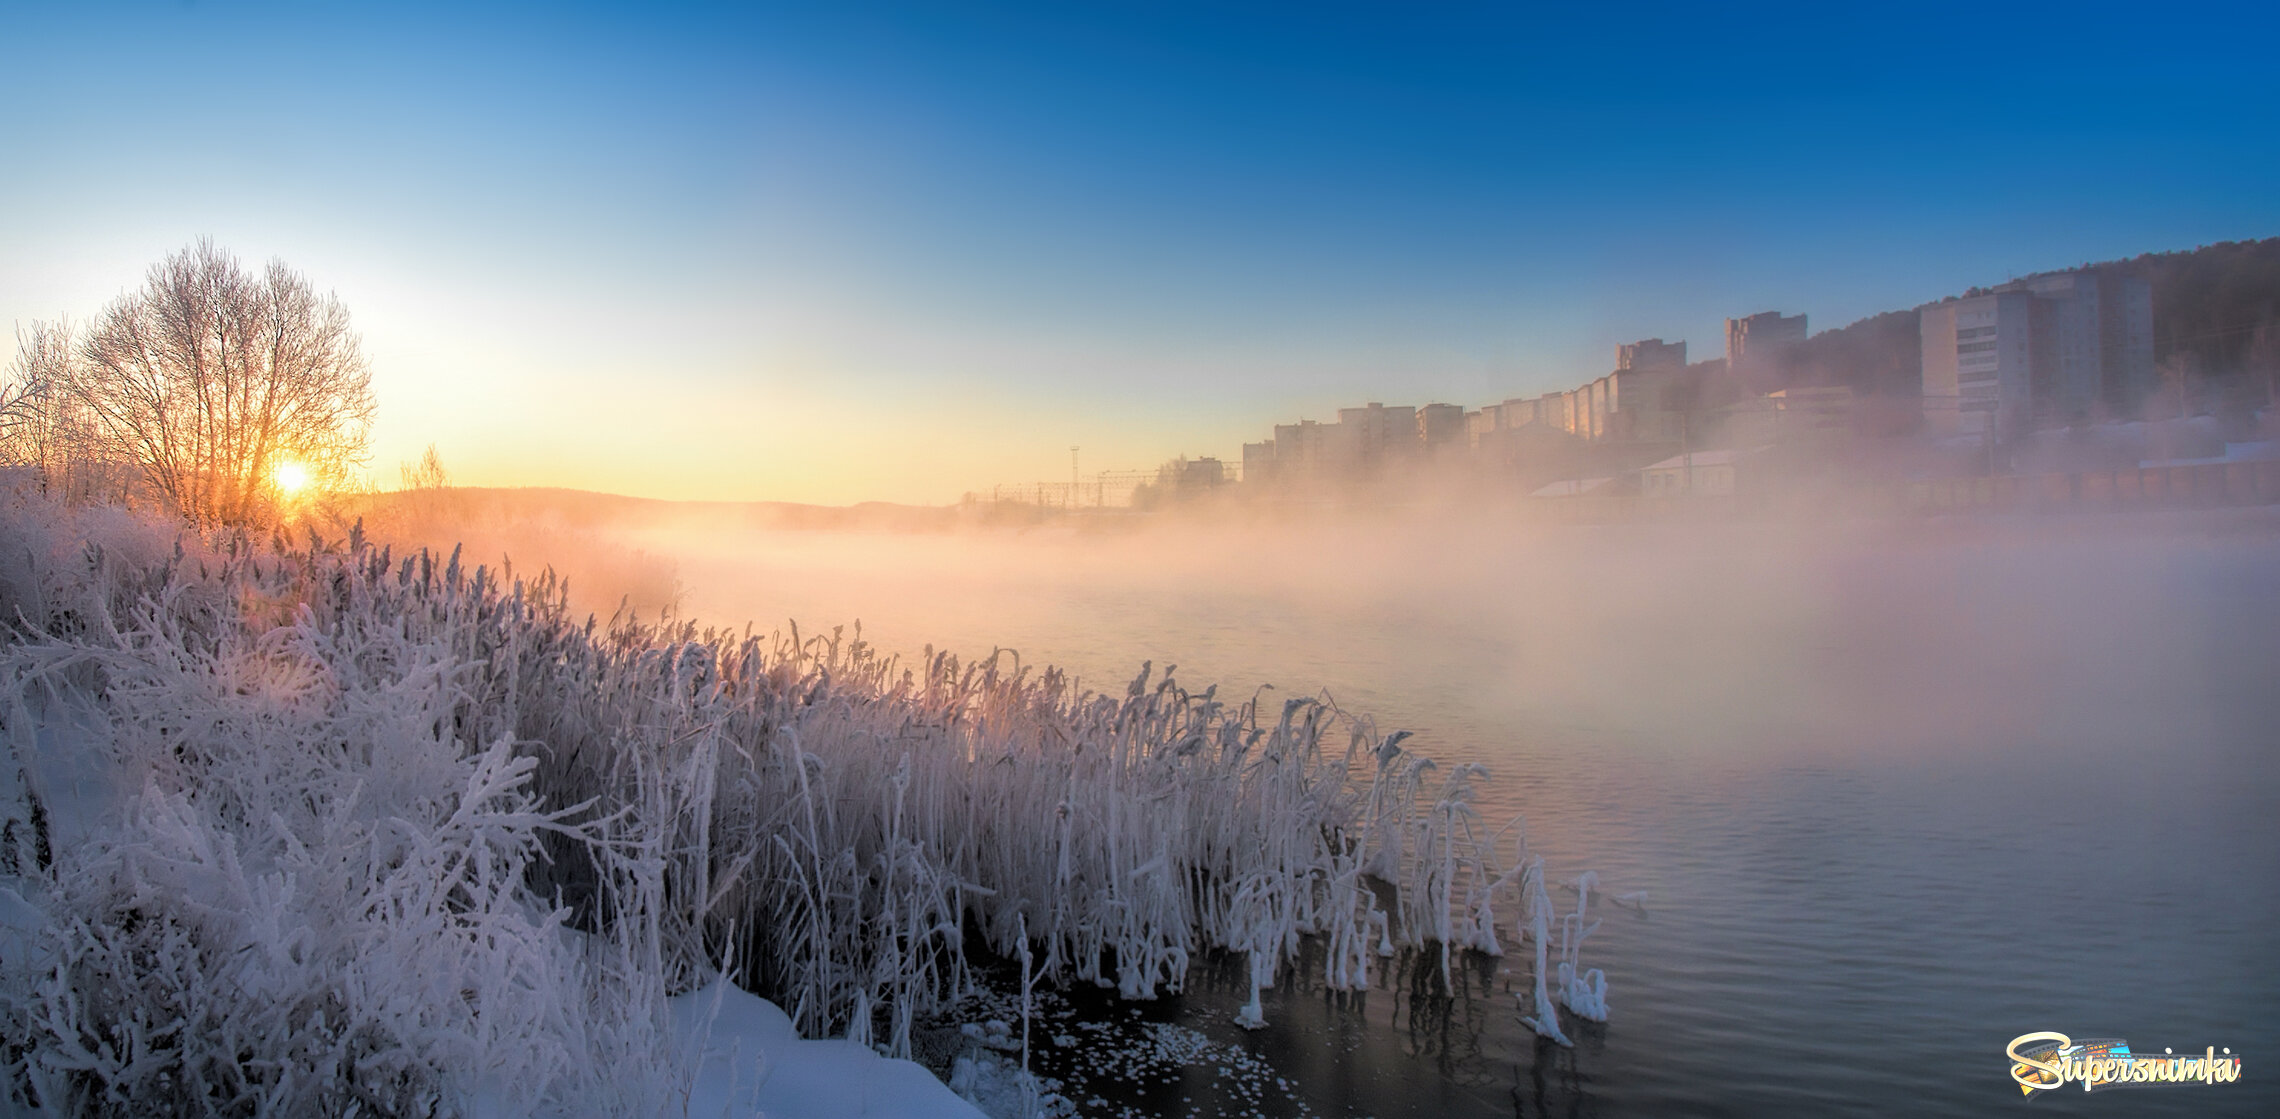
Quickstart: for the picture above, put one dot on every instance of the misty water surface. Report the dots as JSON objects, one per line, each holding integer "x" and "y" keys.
{"x": 1897, "y": 792}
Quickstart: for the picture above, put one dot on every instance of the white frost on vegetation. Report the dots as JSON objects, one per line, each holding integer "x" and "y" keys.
{"x": 1583, "y": 992}
{"x": 354, "y": 834}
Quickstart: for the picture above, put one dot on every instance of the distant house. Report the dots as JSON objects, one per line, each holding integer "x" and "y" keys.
{"x": 1574, "y": 487}
{"x": 2262, "y": 450}
{"x": 1702, "y": 473}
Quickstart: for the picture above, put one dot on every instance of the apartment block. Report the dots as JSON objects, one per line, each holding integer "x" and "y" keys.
{"x": 1379, "y": 433}
{"x": 1259, "y": 461}
{"x": 1441, "y": 427}
{"x": 1303, "y": 449}
{"x": 2094, "y": 343}
{"x": 1753, "y": 343}
{"x": 1651, "y": 353}
{"x": 1642, "y": 405}
{"x": 2056, "y": 348}
{"x": 1978, "y": 361}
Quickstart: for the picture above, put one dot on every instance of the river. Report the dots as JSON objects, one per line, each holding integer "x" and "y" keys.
{"x": 1896, "y": 792}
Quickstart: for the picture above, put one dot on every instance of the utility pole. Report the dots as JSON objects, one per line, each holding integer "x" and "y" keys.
{"x": 1686, "y": 447}
{"x": 1072, "y": 476}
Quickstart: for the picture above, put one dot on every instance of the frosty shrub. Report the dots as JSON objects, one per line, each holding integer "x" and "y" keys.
{"x": 305, "y": 892}
{"x": 389, "y": 836}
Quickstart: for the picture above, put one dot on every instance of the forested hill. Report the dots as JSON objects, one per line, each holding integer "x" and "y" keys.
{"x": 2219, "y": 305}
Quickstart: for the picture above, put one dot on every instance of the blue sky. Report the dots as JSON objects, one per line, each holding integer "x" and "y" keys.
{"x": 833, "y": 252}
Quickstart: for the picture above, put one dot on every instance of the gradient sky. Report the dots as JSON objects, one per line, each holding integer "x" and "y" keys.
{"x": 836, "y": 252}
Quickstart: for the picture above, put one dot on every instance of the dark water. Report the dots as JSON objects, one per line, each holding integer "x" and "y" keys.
{"x": 1897, "y": 794}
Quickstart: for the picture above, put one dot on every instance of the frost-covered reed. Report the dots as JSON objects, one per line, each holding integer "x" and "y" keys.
{"x": 470, "y": 765}
{"x": 270, "y": 874}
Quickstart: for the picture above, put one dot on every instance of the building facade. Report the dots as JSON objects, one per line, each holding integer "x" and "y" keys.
{"x": 1259, "y": 462}
{"x": 1378, "y": 434}
{"x": 1643, "y": 405}
{"x": 1302, "y": 449}
{"x": 1978, "y": 362}
{"x": 1441, "y": 428}
{"x": 2051, "y": 349}
{"x": 2093, "y": 344}
{"x": 1651, "y": 353}
{"x": 1754, "y": 343}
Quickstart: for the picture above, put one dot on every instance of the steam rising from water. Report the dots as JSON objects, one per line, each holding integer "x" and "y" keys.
{"x": 1913, "y": 639}
{"x": 1854, "y": 765}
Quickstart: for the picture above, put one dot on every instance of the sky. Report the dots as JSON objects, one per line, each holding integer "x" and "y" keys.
{"x": 840, "y": 252}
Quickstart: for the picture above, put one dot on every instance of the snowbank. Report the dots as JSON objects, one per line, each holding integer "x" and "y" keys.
{"x": 751, "y": 1062}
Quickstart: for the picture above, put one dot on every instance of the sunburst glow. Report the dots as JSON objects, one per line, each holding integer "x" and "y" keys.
{"x": 291, "y": 477}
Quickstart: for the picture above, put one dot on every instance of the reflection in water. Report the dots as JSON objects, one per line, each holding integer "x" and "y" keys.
{"x": 1405, "y": 1046}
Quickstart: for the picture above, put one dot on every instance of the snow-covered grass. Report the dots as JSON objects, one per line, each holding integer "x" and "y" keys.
{"x": 351, "y": 833}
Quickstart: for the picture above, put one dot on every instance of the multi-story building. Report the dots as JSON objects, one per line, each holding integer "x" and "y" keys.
{"x": 1651, "y": 353}
{"x": 2125, "y": 339}
{"x": 1559, "y": 410}
{"x": 1197, "y": 473}
{"x": 1303, "y": 449}
{"x": 1753, "y": 343}
{"x": 1642, "y": 405}
{"x": 1483, "y": 423}
{"x": 2047, "y": 349}
{"x": 1259, "y": 462}
{"x": 1486, "y": 425}
{"x": 1639, "y": 405}
{"x": 1978, "y": 361}
{"x": 1379, "y": 433}
{"x": 1441, "y": 427}
{"x": 2093, "y": 343}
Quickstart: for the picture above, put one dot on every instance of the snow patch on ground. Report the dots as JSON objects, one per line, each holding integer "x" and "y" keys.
{"x": 750, "y": 1062}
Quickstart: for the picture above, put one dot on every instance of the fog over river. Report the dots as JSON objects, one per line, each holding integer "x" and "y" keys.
{"x": 1896, "y": 791}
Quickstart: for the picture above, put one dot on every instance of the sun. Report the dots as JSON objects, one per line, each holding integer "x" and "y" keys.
{"x": 291, "y": 477}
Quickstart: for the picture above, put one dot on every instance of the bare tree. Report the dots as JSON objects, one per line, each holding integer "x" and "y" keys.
{"x": 21, "y": 391}
{"x": 428, "y": 475}
{"x": 424, "y": 485}
{"x": 227, "y": 391}
{"x": 2178, "y": 373}
{"x": 2263, "y": 360}
{"x": 39, "y": 427}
